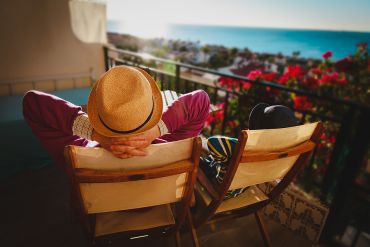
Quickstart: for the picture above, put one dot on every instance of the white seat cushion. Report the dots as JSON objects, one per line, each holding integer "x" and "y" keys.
{"x": 252, "y": 195}
{"x": 131, "y": 220}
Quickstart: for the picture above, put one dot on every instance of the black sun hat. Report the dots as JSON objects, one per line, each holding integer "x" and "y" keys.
{"x": 264, "y": 116}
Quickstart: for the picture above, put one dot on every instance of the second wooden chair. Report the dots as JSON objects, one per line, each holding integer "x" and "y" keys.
{"x": 260, "y": 156}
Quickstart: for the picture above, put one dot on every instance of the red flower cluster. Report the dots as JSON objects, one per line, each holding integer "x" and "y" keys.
{"x": 216, "y": 117}
{"x": 333, "y": 79}
{"x": 311, "y": 82}
{"x": 302, "y": 103}
{"x": 345, "y": 65}
{"x": 254, "y": 75}
{"x": 258, "y": 75}
{"x": 246, "y": 85}
{"x": 232, "y": 84}
{"x": 292, "y": 73}
{"x": 316, "y": 71}
{"x": 227, "y": 82}
{"x": 269, "y": 76}
{"x": 329, "y": 138}
{"x": 327, "y": 55}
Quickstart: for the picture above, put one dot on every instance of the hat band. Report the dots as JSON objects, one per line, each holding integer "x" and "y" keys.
{"x": 129, "y": 131}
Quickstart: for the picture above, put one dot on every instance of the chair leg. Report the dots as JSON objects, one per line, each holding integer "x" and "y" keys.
{"x": 262, "y": 228}
{"x": 193, "y": 232}
{"x": 178, "y": 240}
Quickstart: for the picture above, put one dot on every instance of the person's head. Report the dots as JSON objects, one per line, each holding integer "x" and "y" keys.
{"x": 124, "y": 101}
{"x": 264, "y": 116}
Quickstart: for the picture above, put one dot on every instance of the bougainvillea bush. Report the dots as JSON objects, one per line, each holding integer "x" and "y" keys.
{"x": 347, "y": 78}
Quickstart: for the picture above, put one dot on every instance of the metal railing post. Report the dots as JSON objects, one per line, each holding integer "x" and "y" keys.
{"x": 106, "y": 58}
{"x": 357, "y": 149}
{"x": 338, "y": 152}
{"x": 226, "y": 106}
{"x": 177, "y": 78}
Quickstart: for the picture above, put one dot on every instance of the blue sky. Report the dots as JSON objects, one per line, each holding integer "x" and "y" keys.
{"x": 309, "y": 14}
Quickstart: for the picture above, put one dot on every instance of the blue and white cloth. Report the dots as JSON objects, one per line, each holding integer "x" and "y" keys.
{"x": 215, "y": 165}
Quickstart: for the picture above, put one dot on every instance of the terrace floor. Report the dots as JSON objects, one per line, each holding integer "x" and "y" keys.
{"x": 35, "y": 212}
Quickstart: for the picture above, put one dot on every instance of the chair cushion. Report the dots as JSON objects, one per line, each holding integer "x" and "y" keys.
{"x": 131, "y": 220}
{"x": 252, "y": 195}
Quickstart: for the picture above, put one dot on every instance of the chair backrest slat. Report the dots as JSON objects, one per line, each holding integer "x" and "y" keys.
{"x": 269, "y": 154}
{"x": 107, "y": 183}
{"x": 253, "y": 156}
{"x": 157, "y": 155}
{"x": 277, "y": 139}
{"x": 107, "y": 197}
{"x": 85, "y": 175}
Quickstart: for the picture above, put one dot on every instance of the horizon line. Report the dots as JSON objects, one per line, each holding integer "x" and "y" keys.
{"x": 265, "y": 27}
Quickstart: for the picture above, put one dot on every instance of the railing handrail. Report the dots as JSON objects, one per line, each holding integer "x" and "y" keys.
{"x": 346, "y": 102}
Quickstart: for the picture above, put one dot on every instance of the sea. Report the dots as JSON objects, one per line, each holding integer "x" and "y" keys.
{"x": 309, "y": 43}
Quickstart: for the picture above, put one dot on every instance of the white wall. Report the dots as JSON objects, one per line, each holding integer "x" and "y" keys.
{"x": 37, "y": 43}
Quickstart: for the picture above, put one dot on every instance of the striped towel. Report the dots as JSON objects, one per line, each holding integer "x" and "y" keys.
{"x": 215, "y": 165}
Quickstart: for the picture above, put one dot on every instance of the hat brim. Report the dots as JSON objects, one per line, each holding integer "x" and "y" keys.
{"x": 98, "y": 126}
{"x": 256, "y": 117}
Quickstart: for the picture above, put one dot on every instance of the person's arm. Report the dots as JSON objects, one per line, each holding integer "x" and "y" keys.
{"x": 121, "y": 147}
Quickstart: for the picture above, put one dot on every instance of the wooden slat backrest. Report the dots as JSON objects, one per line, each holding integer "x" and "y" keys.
{"x": 106, "y": 183}
{"x": 269, "y": 154}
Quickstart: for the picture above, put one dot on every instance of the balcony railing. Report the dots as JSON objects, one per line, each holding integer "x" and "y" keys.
{"x": 348, "y": 120}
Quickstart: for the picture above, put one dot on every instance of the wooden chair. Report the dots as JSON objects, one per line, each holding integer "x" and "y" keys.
{"x": 260, "y": 156}
{"x": 107, "y": 192}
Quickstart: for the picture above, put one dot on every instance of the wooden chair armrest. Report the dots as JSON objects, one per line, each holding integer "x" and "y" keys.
{"x": 208, "y": 185}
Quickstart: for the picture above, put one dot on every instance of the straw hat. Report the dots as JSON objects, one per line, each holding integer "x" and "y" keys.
{"x": 124, "y": 101}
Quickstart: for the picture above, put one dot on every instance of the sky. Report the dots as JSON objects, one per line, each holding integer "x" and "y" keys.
{"x": 348, "y": 15}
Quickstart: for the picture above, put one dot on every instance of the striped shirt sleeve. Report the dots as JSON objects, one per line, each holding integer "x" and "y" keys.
{"x": 82, "y": 127}
{"x": 162, "y": 127}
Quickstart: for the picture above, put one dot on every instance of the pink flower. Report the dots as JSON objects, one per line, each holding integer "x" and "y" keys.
{"x": 246, "y": 85}
{"x": 327, "y": 55}
{"x": 254, "y": 75}
{"x": 325, "y": 79}
{"x": 334, "y": 76}
{"x": 283, "y": 79}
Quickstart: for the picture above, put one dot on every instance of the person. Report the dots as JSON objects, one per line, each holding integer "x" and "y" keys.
{"x": 262, "y": 116}
{"x": 124, "y": 115}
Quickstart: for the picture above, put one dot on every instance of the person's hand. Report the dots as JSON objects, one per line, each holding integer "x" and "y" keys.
{"x": 138, "y": 142}
{"x": 120, "y": 146}
{"x": 126, "y": 147}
